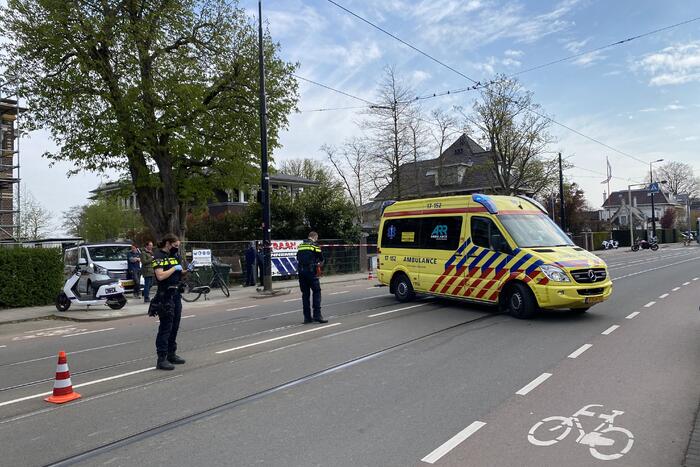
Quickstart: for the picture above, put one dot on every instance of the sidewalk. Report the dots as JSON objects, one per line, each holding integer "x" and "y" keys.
{"x": 136, "y": 307}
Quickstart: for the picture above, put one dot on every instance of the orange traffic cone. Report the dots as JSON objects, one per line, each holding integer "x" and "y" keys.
{"x": 371, "y": 275}
{"x": 62, "y": 387}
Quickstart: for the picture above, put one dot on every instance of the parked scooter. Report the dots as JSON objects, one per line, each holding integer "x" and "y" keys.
{"x": 645, "y": 245}
{"x": 610, "y": 244}
{"x": 104, "y": 291}
{"x": 687, "y": 237}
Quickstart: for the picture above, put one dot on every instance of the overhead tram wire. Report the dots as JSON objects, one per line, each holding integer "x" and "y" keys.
{"x": 477, "y": 82}
{"x": 333, "y": 89}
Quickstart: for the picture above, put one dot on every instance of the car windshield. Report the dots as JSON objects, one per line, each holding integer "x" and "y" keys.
{"x": 534, "y": 230}
{"x": 109, "y": 252}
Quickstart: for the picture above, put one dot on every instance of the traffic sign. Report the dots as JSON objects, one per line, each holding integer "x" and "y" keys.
{"x": 653, "y": 187}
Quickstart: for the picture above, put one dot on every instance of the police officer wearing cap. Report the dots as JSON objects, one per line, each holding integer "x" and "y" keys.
{"x": 310, "y": 258}
{"x": 167, "y": 266}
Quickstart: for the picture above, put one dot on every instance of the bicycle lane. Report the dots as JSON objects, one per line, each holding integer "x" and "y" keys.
{"x": 647, "y": 368}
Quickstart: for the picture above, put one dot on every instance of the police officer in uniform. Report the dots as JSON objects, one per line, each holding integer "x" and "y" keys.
{"x": 167, "y": 266}
{"x": 310, "y": 258}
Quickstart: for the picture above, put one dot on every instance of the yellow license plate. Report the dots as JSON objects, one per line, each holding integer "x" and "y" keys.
{"x": 597, "y": 299}
{"x": 127, "y": 283}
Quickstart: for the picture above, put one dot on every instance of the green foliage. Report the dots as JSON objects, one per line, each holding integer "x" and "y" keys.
{"x": 29, "y": 276}
{"x": 103, "y": 219}
{"x": 164, "y": 90}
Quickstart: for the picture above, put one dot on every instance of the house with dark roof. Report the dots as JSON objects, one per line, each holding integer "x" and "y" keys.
{"x": 616, "y": 207}
{"x": 461, "y": 169}
{"x": 223, "y": 200}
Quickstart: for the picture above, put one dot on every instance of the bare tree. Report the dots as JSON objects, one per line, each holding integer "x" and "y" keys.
{"x": 679, "y": 177}
{"x": 418, "y": 140}
{"x": 508, "y": 121}
{"x": 34, "y": 219}
{"x": 388, "y": 125}
{"x": 353, "y": 164}
{"x": 444, "y": 128}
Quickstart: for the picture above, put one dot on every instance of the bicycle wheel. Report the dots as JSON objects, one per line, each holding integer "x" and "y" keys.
{"x": 192, "y": 290}
{"x": 560, "y": 430}
{"x": 621, "y": 434}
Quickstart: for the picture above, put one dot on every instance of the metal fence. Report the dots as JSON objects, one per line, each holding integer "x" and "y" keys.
{"x": 340, "y": 257}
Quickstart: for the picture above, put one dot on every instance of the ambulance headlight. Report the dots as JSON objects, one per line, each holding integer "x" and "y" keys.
{"x": 554, "y": 273}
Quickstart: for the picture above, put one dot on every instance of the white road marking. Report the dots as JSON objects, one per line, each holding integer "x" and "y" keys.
{"x": 394, "y": 311}
{"x": 696, "y": 278}
{"x": 292, "y": 300}
{"x": 338, "y": 293}
{"x": 675, "y": 289}
{"x": 2, "y": 346}
{"x": 663, "y": 296}
{"x": 371, "y": 288}
{"x": 89, "y": 332}
{"x": 580, "y": 350}
{"x": 277, "y": 338}
{"x": 452, "y": 443}
{"x": 686, "y": 283}
{"x": 632, "y": 315}
{"x": 242, "y": 308}
{"x": 655, "y": 269}
{"x": 82, "y": 385}
{"x": 610, "y": 329}
{"x": 49, "y": 329}
{"x": 351, "y": 286}
{"x": 188, "y": 316}
{"x": 649, "y": 305}
{"x": 53, "y": 357}
{"x": 534, "y": 383}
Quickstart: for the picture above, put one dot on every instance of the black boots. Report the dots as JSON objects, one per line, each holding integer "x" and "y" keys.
{"x": 320, "y": 319}
{"x": 164, "y": 364}
{"x": 175, "y": 358}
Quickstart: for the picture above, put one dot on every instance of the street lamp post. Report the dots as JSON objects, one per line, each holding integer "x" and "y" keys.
{"x": 653, "y": 211}
{"x": 629, "y": 211}
{"x": 265, "y": 176}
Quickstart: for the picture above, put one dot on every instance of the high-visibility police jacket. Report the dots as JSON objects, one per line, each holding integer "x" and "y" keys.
{"x": 309, "y": 255}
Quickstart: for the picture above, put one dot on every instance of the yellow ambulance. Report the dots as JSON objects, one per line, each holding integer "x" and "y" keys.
{"x": 500, "y": 250}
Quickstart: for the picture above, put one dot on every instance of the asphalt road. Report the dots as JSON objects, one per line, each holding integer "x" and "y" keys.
{"x": 382, "y": 384}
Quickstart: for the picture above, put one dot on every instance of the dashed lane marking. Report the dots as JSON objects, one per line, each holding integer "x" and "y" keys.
{"x": 675, "y": 289}
{"x": 2, "y": 346}
{"x": 292, "y": 300}
{"x": 82, "y": 385}
{"x": 452, "y": 443}
{"x": 242, "y": 308}
{"x": 277, "y": 338}
{"x": 533, "y": 384}
{"x": 696, "y": 278}
{"x": 663, "y": 296}
{"x": 88, "y": 332}
{"x": 339, "y": 293}
{"x": 49, "y": 329}
{"x": 580, "y": 350}
{"x": 649, "y": 305}
{"x": 188, "y": 316}
{"x": 686, "y": 283}
{"x": 394, "y": 311}
{"x": 610, "y": 330}
{"x": 632, "y": 315}
{"x": 655, "y": 269}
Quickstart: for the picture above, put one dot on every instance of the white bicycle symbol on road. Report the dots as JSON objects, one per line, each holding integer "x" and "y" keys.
{"x": 604, "y": 441}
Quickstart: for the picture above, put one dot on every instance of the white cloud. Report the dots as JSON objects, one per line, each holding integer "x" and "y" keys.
{"x": 418, "y": 76}
{"x": 690, "y": 138}
{"x": 576, "y": 46}
{"x": 513, "y": 53}
{"x": 677, "y": 64}
{"x": 649, "y": 109}
{"x": 674, "y": 106}
{"x": 589, "y": 59}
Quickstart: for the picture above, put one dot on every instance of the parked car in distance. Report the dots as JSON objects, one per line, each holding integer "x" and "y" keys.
{"x": 98, "y": 259}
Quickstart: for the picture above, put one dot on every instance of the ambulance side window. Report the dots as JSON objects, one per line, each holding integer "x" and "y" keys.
{"x": 401, "y": 233}
{"x": 441, "y": 233}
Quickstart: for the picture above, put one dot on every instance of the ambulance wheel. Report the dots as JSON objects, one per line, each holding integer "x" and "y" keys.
{"x": 520, "y": 302}
{"x": 62, "y": 302}
{"x": 403, "y": 289}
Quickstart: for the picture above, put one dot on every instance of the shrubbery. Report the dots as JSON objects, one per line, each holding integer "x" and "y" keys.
{"x": 30, "y": 276}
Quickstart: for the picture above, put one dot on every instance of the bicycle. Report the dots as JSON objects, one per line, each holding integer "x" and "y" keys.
{"x": 541, "y": 433}
{"x": 193, "y": 288}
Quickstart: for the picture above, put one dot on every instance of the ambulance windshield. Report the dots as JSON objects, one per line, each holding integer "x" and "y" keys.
{"x": 534, "y": 230}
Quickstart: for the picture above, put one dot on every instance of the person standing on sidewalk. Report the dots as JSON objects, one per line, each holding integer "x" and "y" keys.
{"x": 250, "y": 259}
{"x": 133, "y": 259}
{"x": 167, "y": 267}
{"x": 310, "y": 260}
{"x": 147, "y": 270}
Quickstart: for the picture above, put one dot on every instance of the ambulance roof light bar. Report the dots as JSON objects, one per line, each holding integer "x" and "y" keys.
{"x": 486, "y": 202}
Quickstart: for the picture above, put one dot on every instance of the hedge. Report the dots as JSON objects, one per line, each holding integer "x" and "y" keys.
{"x": 30, "y": 276}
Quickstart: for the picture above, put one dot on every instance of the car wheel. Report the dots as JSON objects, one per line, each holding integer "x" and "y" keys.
{"x": 403, "y": 289}
{"x": 520, "y": 302}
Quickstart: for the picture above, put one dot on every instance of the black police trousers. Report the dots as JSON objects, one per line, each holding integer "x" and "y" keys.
{"x": 308, "y": 282}
{"x": 169, "y": 323}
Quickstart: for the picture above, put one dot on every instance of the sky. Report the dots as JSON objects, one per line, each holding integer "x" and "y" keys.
{"x": 641, "y": 98}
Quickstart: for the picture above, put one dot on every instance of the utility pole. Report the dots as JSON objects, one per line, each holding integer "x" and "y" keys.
{"x": 652, "y": 193}
{"x": 265, "y": 176}
{"x": 562, "y": 212}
